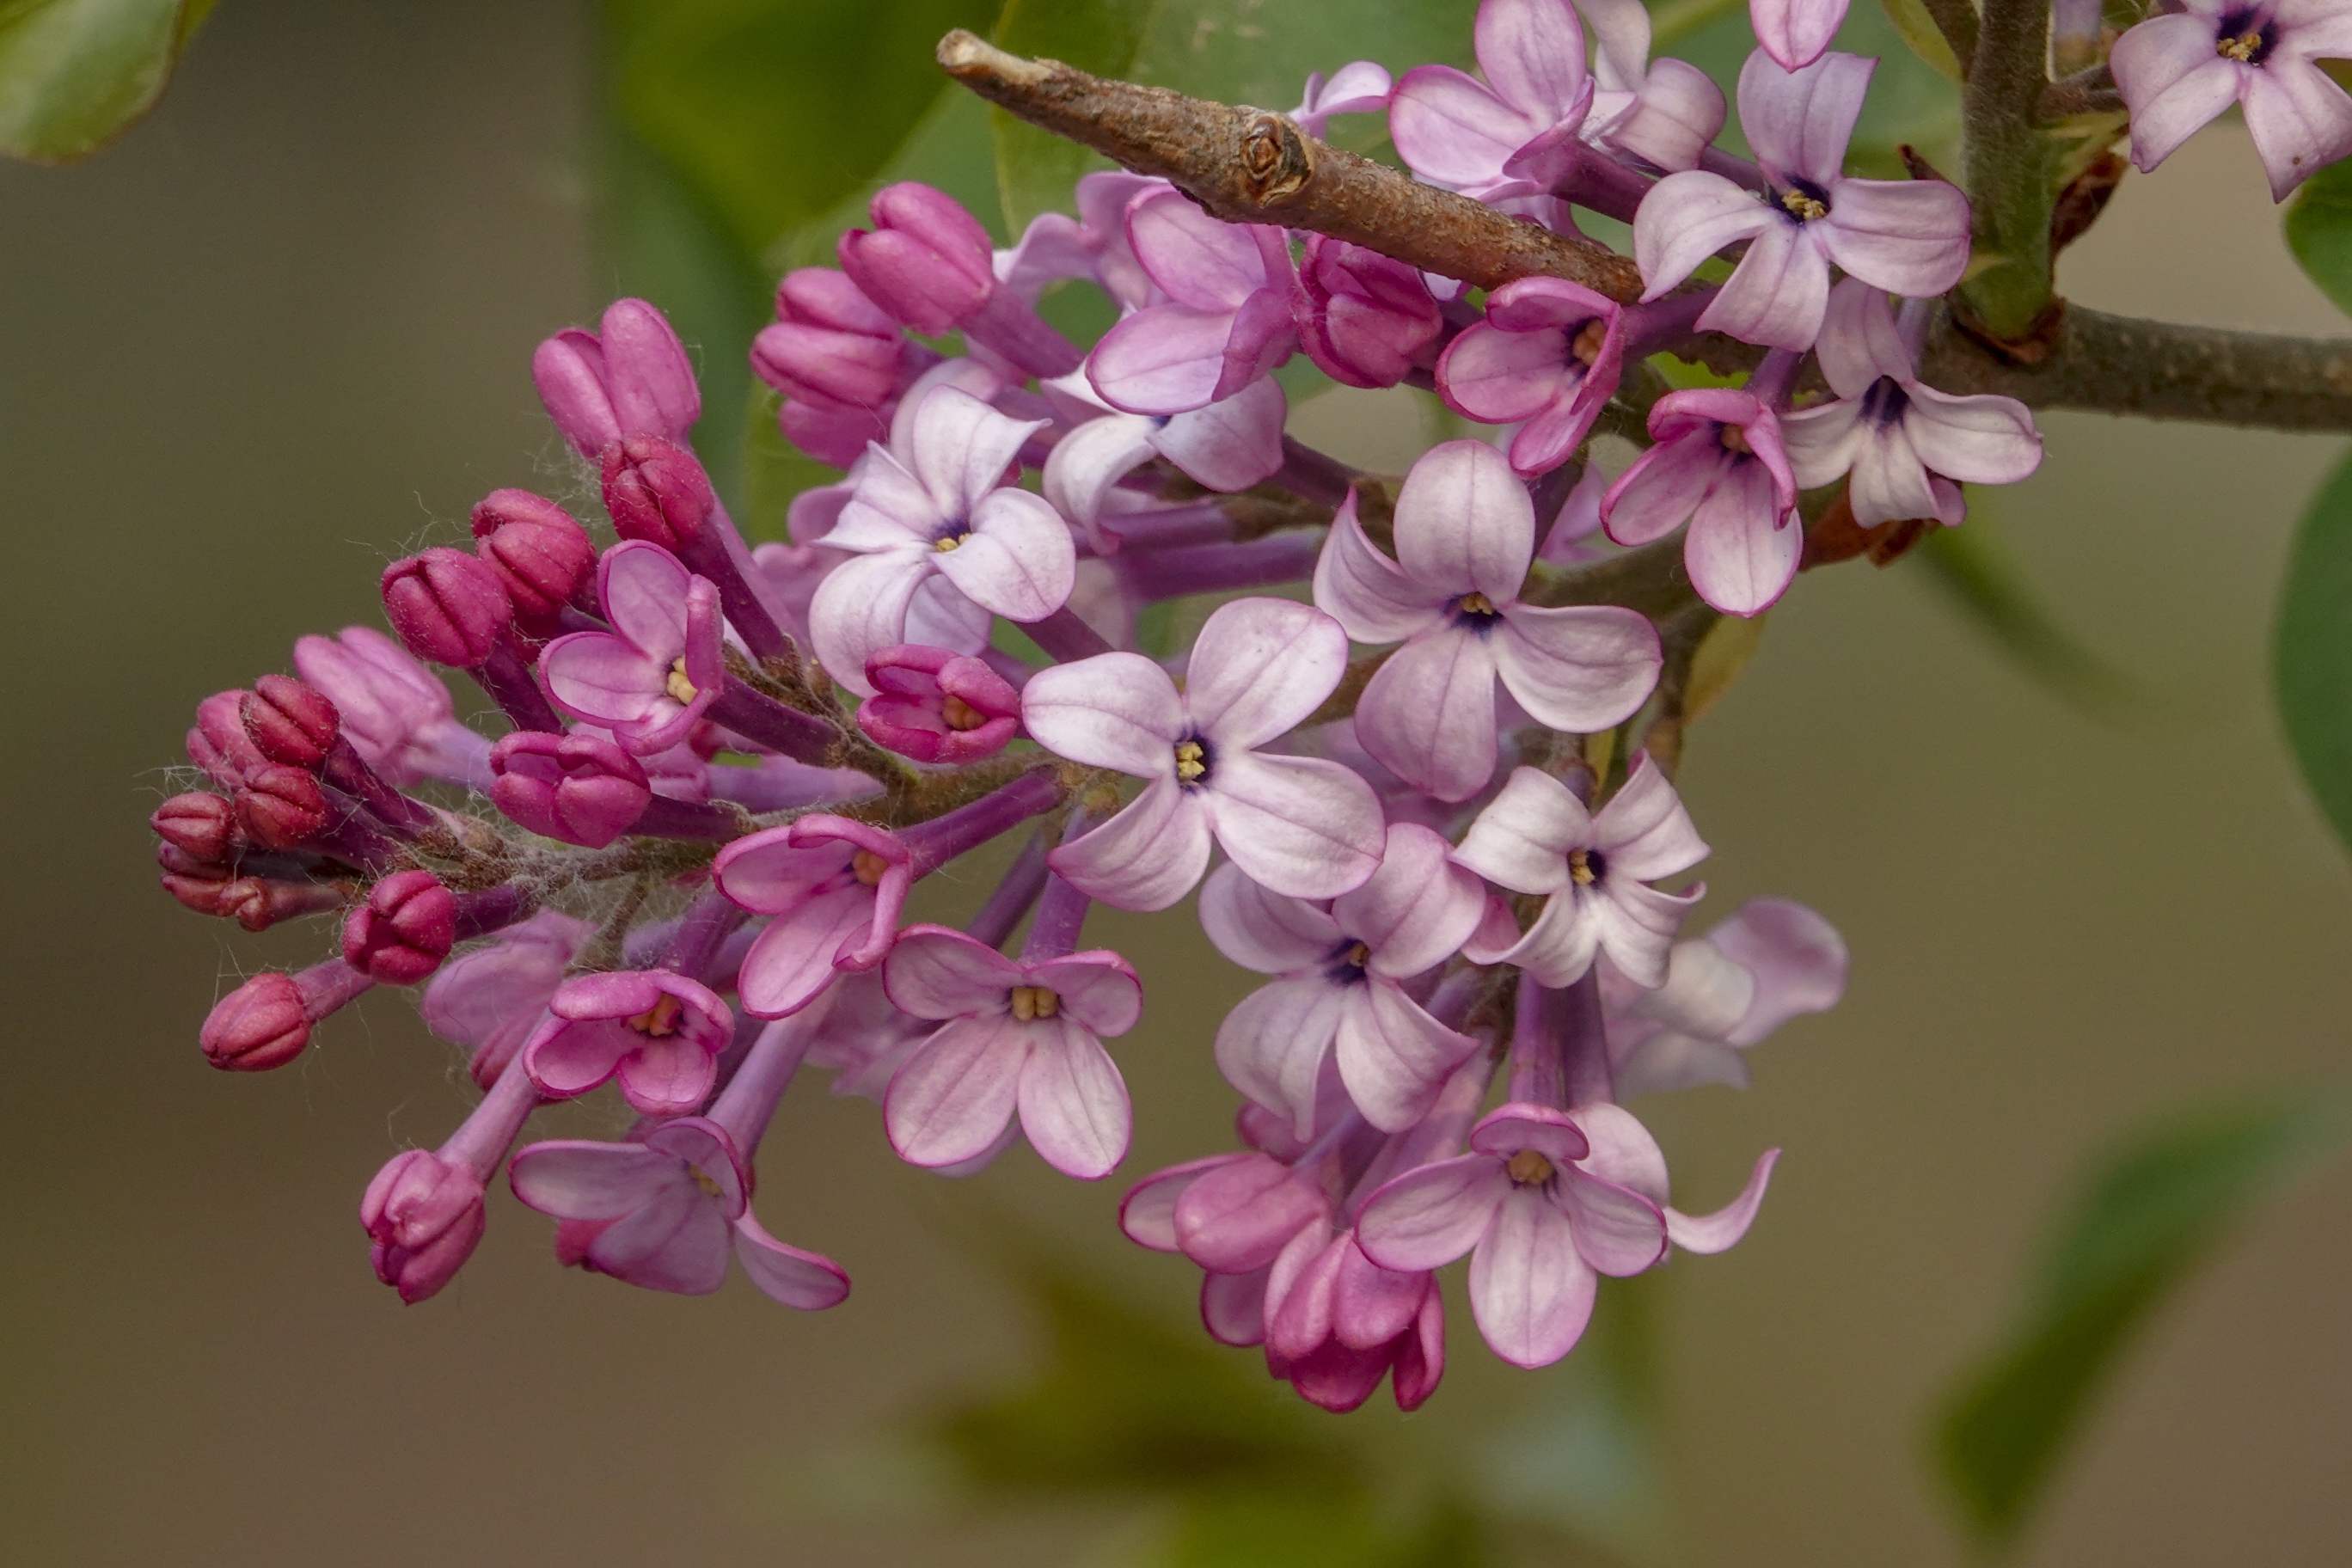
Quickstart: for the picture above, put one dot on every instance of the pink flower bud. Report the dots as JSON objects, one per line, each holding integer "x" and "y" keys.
{"x": 831, "y": 347}
{"x": 926, "y": 261}
{"x": 579, "y": 788}
{"x": 830, "y": 436}
{"x": 218, "y": 743}
{"x": 203, "y": 826}
{"x": 938, "y": 707}
{"x": 423, "y": 1216}
{"x": 260, "y": 1025}
{"x": 288, "y": 721}
{"x": 282, "y": 806}
{"x": 257, "y": 904}
{"x": 821, "y": 296}
{"x": 542, "y": 554}
{"x": 655, "y": 490}
{"x": 636, "y": 378}
{"x": 447, "y": 606}
{"x": 1363, "y": 319}
{"x": 403, "y": 930}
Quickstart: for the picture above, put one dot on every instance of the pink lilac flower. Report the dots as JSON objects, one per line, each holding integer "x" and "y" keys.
{"x": 1903, "y": 441}
{"x": 1795, "y": 32}
{"x": 1226, "y": 320}
{"x": 2180, "y": 68}
{"x": 1537, "y": 837}
{"x": 1547, "y": 352}
{"x": 1455, "y": 131}
{"x": 396, "y": 712}
{"x": 938, "y": 707}
{"x": 1299, "y": 826}
{"x": 652, "y": 676}
{"x": 1910, "y": 237}
{"x": 1364, "y": 319}
{"x": 1464, "y": 537}
{"x": 1017, "y": 1038}
{"x": 1666, "y": 112}
{"x": 658, "y": 1032}
{"x": 633, "y": 379}
{"x": 1361, "y": 87}
{"x": 422, "y": 1212}
{"x": 492, "y": 998}
{"x": 1232, "y": 1215}
{"x": 1717, "y": 462}
{"x": 1770, "y": 962}
{"x": 1093, "y": 245}
{"x": 945, "y": 512}
{"x": 664, "y": 1211}
{"x": 1337, "y": 991}
{"x": 1226, "y": 445}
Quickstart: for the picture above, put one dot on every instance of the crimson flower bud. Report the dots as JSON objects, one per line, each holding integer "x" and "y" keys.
{"x": 423, "y": 1215}
{"x": 202, "y": 889}
{"x": 288, "y": 721}
{"x": 578, "y": 788}
{"x": 655, "y": 490}
{"x": 539, "y": 550}
{"x": 282, "y": 806}
{"x": 260, "y": 1025}
{"x": 203, "y": 826}
{"x": 1367, "y": 319}
{"x": 447, "y": 606}
{"x": 403, "y": 930}
{"x": 926, "y": 261}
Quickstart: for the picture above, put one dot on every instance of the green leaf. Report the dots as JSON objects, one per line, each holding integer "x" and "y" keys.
{"x": 1926, "y": 40}
{"x": 1979, "y": 577}
{"x": 75, "y": 74}
{"x": 2319, "y": 231}
{"x": 2149, "y": 1213}
{"x": 1037, "y": 169}
{"x": 2312, "y": 654}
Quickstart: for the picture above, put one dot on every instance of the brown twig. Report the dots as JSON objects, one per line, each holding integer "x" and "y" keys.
{"x": 1245, "y": 165}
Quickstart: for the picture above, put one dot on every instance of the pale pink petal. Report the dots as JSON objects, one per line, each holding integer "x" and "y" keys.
{"x": 1017, "y": 561}
{"x": 1579, "y": 667}
{"x": 1451, "y": 129}
{"x": 888, "y": 508}
{"x": 1635, "y": 926}
{"x": 1113, "y": 710}
{"x": 791, "y": 963}
{"x": 1199, "y": 261}
{"x": 604, "y": 679}
{"x": 954, "y": 1096}
{"x": 677, "y": 1243}
{"x": 1272, "y": 1045}
{"x": 1464, "y": 520}
{"x": 2173, "y": 81}
{"x": 806, "y": 1281}
{"x": 1798, "y": 122}
{"x": 1533, "y": 53}
{"x": 1263, "y": 337}
{"x": 1148, "y": 1212}
{"x": 1910, "y": 237}
{"x": 1530, "y": 1291}
{"x": 1561, "y": 946}
{"x": 1394, "y": 1057}
{"x": 1722, "y": 1229}
{"x": 860, "y": 609}
{"x": 1371, "y": 1305}
{"x": 1300, "y": 826}
{"x": 1364, "y": 591}
{"x": 1146, "y": 858}
{"x": 1521, "y": 839}
{"x": 1797, "y": 958}
{"x": 1777, "y": 294}
{"x": 938, "y": 615}
{"x": 1889, "y": 482}
{"x": 1500, "y": 376}
{"x": 935, "y": 973}
{"x": 1859, "y": 342}
{"x": 1428, "y": 1217}
{"x": 642, "y": 588}
{"x": 1259, "y": 668}
{"x": 1231, "y": 444}
{"x": 1795, "y": 32}
{"x": 1646, "y": 829}
{"x": 1663, "y": 487}
{"x": 1263, "y": 931}
{"x": 1089, "y": 461}
{"x": 583, "y": 1179}
{"x": 1418, "y": 909}
{"x": 1236, "y": 1219}
{"x": 1822, "y": 443}
{"x": 1623, "y": 1152}
{"x": 961, "y": 448}
{"x": 1099, "y": 989}
{"x": 1706, "y": 991}
{"x": 1979, "y": 440}
{"x": 666, "y": 1076}
{"x": 1679, "y": 112}
{"x": 767, "y": 873}
{"x": 1616, "y": 1229}
{"x": 1163, "y": 359}
{"x": 1687, "y": 217}
{"x": 1074, "y": 1106}
{"x": 1741, "y": 552}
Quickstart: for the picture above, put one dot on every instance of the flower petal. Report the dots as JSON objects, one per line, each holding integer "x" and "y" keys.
{"x": 1451, "y": 129}
{"x": 1272, "y": 1045}
{"x": 1300, "y": 826}
{"x": 1417, "y": 910}
{"x": 1741, "y": 551}
{"x": 1146, "y": 858}
{"x": 1259, "y": 668}
{"x": 1428, "y": 713}
{"x": 806, "y": 1281}
{"x": 954, "y": 1096}
{"x": 1798, "y": 122}
{"x": 1113, "y": 710}
{"x": 1533, "y": 53}
{"x": 677, "y": 1243}
{"x": 1685, "y": 218}
{"x": 1910, "y": 237}
{"x": 860, "y": 609}
{"x": 1431, "y": 1215}
{"x": 1394, "y": 1057}
{"x": 573, "y": 1178}
{"x": 1579, "y": 667}
{"x": 1979, "y": 440}
{"x": 1017, "y": 561}
{"x": 1074, "y": 1105}
{"x": 790, "y": 964}
{"x": 1530, "y": 1291}
{"x": 1646, "y": 829}
{"x": 961, "y": 448}
{"x": 1263, "y": 931}
{"x": 1367, "y": 594}
{"x": 1617, "y": 1230}
{"x": 1722, "y": 1229}
{"x": 1797, "y": 959}
{"x": 1231, "y": 444}
{"x": 2173, "y": 82}
{"x": 1777, "y": 294}
{"x": 1464, "y": 521}
{"x": 1097, "y": 988}
{"x": 936, "y": 972}
{"x": 1521, "y": 839}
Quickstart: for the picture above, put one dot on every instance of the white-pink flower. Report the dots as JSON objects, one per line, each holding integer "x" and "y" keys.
{"x": 2184, "y": 65}
{"x": 1466, "y": 532}
{"x": 1225, "y": 322}
{"x": 1770, "y": 962}
{"x": 1299, "y": 826}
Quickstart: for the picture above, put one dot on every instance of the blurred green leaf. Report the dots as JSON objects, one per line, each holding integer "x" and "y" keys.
{"x": 2149, "y": 1212}
{"x": 2312, "y": 654}
{"x": 1036, "y": 168}
{"x": 1926, "y": 40}
{"x": 1969, "y": 565}
{"x": 75, "y": 74}
{"x": 2319, "y": 231}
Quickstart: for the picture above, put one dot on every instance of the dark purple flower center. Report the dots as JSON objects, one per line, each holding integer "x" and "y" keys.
{"x": 1803, "y": 200}
{"x": 1586, "y": 867}
{"x": 1475, "y": 613}
{"x": 1345, "y": 966}
{"x": 1193, "y": 759}
{"x": 1884, "y": 404}
{"x": 2245, "y": 34}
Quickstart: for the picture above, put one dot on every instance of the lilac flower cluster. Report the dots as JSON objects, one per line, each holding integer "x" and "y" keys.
{"x": 1416, "y": 759}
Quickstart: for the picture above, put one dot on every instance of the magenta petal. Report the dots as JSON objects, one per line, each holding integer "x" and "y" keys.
{"x": 1259, "y": 668}
{"x": 1232, "y": 1307}
{"x": 791, "y": 963}
{"x": 1371, "y": 1305}
{"x": 767, "y": 873}
{"x": 1300, "y": 826}
{"x": 678, "y": 1242}
{"x": 954, "y": 1096}
{"x": 936, "y": 972}
{"x": 1236, "y": 1219}
{"x": 1499, "y": 376}
{"x": 1722, "y": 1229}
{"x": 1429, "y": 1216}
{"x": 1074, "y": 1105}
{"x": 808, "y": 1281}
{"x": 667, "y": 1077}
{"x": 1530, "y": 1291}
{"x": 642, "y": 588}
{"x": 1148, "y": 1212}
{"x": 603, "y": 679}
{"x": 1146, "y": 858}
{"x": 586, "y": 1180}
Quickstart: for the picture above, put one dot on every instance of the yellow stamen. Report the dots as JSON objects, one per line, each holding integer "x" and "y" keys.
{"x": 1189, "y": 765}
{"x": 949, "y": 542}
{"x": 1035, "y": 1002}
{"x": 1359, "y": 955}
{"x": 660, "y": 1020}
{"x": 1735, "y": 439}
{"x": 1580, "y": 868}
{"x": 708, "y": 1186}
{"x": 1586, "y": 346}
{"x": 2241, "y": 47}
{"x": 1803, "y": 205}
{"x": 1529, "y": 1168}
{"x": 1474, "y": 604}
{"x": 868, "y": 868}
{"x": 680, "y": 688}
{"x": 962, "y": 715}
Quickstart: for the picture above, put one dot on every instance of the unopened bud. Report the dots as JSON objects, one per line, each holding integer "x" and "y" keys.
{"x": 425, "y": 1216}
{"x": 579, "y": 788}
{"x": 1367, "y": 319}
{"x": 655, "y": 490}
{"x": 218, "y": 743}
{"x": 634, "y": 378}
{"x": 539, "y": 550}
{"x": 201, "y": 890}
{"x": 447, "y": 606}
{"x": 926, "y": 261}
{"x": 202, "y": 825}
{"x": 257, "y": 904}
{"x": 282, "y": 806}
{"x": 403, "y": 930}
{"x": 288, "y": 721}
{"x": 260, "y": 1025}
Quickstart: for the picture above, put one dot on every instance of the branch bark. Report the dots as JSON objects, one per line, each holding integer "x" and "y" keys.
{"x": 1245, "y": 165}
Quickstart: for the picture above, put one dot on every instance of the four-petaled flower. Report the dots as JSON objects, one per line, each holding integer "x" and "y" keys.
{"x": 1226, "y": 319}
{"x": 2180, "y": 68}
{"x": 650, "y": 677}
{"x": 1717, "y": 462}
{"x": 659, "y": 1034}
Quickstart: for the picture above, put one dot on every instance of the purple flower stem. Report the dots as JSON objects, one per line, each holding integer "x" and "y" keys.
{"x": 1067, "y": 637}
{"x": 1308, "y": 473}
{"x": 1602, "y": 184}
{"x": 356, "y": 837}
{"x": 1769, "y": 383}
{"x": 714, "y": 554}
{"x": 666, "y": 818}
{"x": 483, "y": 1138}
{"x": 1006, "y": 324}
{"x": 1559, "y": 1046}
{"x": 759, "y": 717}
{"x": 511, "y": 686}
{"x": 1019, "y": 888}
{"x": 935, "y": 843}
{"x": 1661, "y": 324}
{"x": 1204, "y": 522}
{"x": 748, "y": 1103}
{"x": 349, "y": 772}
{"x": 1061, "y": 915}
{"x": 328, "y": 987}
{"x": 706, "y": 924}
{"x": 491, "y": 908}
{"x": 569, "y": 619}
{"x": 1278, "y": 558}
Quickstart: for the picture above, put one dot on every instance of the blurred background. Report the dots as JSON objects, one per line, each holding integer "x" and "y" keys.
{"x": 282, "y": 333}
